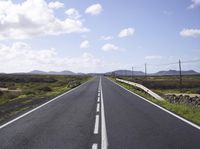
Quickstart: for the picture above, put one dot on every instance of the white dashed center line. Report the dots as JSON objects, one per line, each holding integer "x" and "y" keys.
{"x": 95, "y": 146}
{"x": 104, "y": 142}
{"x": 98, "y": 107}
{"x": 96, "y": 126}
{"x": 98, "y": 99}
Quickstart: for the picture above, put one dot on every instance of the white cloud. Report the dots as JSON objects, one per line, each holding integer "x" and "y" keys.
{"x": 13, "y": 57}
{"x": 106, "y": 37}
{"x": 55, "y": 5}
{"x": 126, "y": 32}
{"x": 94, "y": 9}
{"x": 110, "y": 47}
{"x": 32, "y": 18}
{"x": 190, "y": 33}
{"x": 194, "y": 4}
{"x": 73, "y": 13}
{"x": 85, "y": 44}
{"x": 151, "y": 57}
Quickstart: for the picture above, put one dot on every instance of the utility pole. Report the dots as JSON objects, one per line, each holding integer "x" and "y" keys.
{"x": 145, "y": 69}
{"x": 124, "y": 73}
{"x": 180, "y": 74}
{"x": 132, "y": 73}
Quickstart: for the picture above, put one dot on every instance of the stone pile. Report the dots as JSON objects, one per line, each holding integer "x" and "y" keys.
{"x": 183, "y": 99}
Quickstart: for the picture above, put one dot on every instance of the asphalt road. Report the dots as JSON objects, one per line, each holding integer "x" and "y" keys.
{"x": 97, "y": 114}
{"x": 133, "y": 123}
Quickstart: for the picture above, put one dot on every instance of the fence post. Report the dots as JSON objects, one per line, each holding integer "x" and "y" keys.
{"x": 180, "y": 75}
{"x": 145, "y": 69}
{"x": 132, "y": 73}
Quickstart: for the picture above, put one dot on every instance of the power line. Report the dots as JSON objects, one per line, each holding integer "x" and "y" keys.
{"x": 173, "y": 63}
{"x": 163, "y": 64}
{"x": 191, "y": 61}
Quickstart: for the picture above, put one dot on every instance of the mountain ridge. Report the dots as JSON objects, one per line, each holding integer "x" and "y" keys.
{"x": 159, "y": 73}
{"x": 115, "y": 72}
{"x": 64, "y": 72}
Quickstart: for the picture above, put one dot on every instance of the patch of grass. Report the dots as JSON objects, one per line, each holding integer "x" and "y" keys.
{"x": 189, "y": 112}
{"x": 37, "y": 85}
{"x": 19, "y": 110}
{"x": 7, "y": 96}
{"x": 169, "y": 84}
{"x": 22, "y": 96}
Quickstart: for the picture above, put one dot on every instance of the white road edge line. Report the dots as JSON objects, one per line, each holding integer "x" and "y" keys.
{"x": 27, "y": 113}
{"x": 94, "y": 146}
{"x": 97, "y": 107}
{"x": 104, "y": 138}
{"x": 169, "y": 112}
{"x": 96, "y": 126}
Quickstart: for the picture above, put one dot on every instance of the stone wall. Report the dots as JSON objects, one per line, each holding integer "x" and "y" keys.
{"x": 183, "y": 99}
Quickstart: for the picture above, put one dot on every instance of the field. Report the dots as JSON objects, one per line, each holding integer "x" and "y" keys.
{"x": 169, "y": 84}
{"x": 22, "y": 92}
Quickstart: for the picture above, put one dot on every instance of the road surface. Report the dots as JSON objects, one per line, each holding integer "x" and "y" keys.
{"x": 98, "y": 114}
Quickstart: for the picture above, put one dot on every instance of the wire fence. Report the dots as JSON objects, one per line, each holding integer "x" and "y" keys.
{"x": 175, "y": 67}
{"x": 178, "y": 65}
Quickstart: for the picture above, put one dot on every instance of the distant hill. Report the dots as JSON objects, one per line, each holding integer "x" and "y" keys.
{"x": 65, "y": 72}
{"x": 126, "y": 73}
{"x": 160, "y": 73}
{"x": 37, "y": 72}
{"x": 116, "y": 72}
{"x": 175, "y": 72}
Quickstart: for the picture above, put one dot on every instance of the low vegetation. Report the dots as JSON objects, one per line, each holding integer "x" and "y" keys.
{"x": 187, "y": 111}
{"x": 22, "y": 92}
{"x": 169, "y": 84}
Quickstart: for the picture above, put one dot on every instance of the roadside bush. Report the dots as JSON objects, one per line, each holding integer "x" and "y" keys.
{"x": 1, "y": 93}
{"x": 3, "y": 85}
{"x": 44, "y": 89}
{"x": 73, "y": 83}
{"x": 27, "y": 78}
{"x": 198, "y": 91}
{"x": 13, "y": 87}
{"x": 10, "y": 95}
{"x": 29, "y": 92}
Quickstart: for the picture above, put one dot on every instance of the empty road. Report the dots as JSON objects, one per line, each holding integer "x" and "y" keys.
{"x": 98, "y": 115}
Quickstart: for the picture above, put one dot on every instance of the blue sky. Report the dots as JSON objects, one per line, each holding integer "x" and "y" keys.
{"x": 47, "y": 35}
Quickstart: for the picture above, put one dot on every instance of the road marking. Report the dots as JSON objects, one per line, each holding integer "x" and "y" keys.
{"x": 97, "y": 107}
{"x": 94, "y": 146}
{"x": 96, "y": 126}
{"x": 27, "y": 113}
{"x": 104, "y": 140}
{"x": 169, "y": 112}
{"x": 98, "y": 100}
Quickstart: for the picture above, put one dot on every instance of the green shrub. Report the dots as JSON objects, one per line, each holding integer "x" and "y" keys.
{"x": 198, "y": 91}
{"x": 44, "y": 89}
{"x": 29, "y": 92}
{"x": 1, "y": 93}
{"x": 10, "y": 95}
